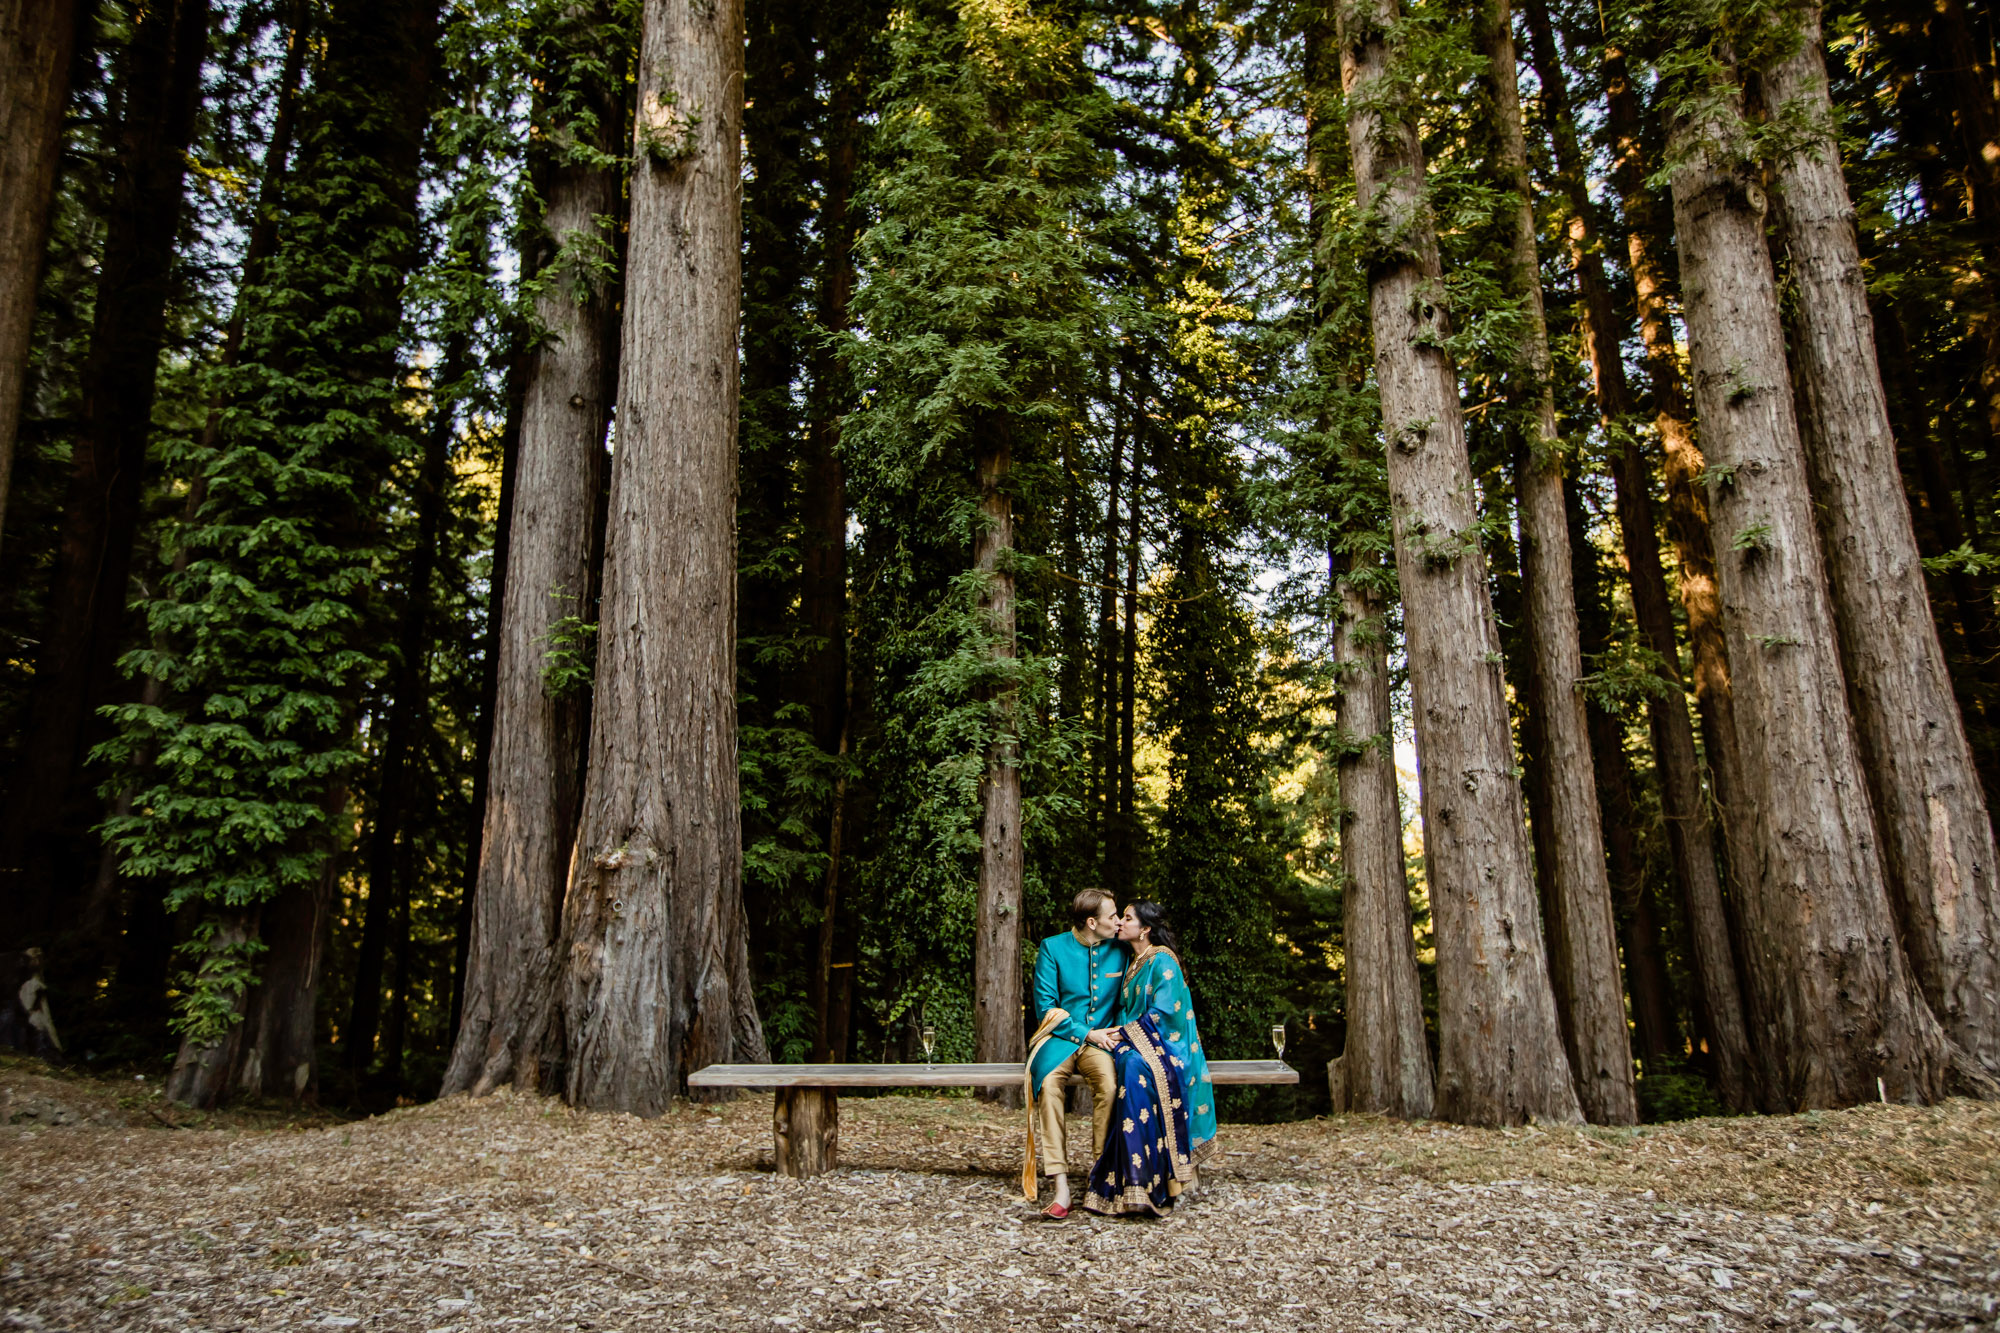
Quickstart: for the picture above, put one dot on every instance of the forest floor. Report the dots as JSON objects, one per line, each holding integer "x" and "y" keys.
{"x": 512, "y": 1210}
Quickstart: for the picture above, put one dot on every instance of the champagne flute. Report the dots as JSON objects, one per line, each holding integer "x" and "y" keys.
{"x": 928, "y": 1035}
{"x": 1278, "y": 1038}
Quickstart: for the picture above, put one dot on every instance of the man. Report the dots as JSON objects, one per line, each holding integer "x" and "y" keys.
{"x": 1077, "y": 974}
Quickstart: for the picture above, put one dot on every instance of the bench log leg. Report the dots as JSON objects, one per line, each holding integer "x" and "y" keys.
{"x": 806, "y": 1123}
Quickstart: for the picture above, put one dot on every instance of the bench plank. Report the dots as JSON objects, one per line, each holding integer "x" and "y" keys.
{"x": 1220, "y": 1072}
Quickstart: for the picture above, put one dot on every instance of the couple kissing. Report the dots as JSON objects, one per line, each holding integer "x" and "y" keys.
{"x": 1116, "y": 1011}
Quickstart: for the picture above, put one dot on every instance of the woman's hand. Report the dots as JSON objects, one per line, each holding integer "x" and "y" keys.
{"x": 1106, "y": 1038}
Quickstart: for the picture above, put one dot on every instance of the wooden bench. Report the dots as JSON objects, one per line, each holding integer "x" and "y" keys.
{"x": 806, "y": 1122}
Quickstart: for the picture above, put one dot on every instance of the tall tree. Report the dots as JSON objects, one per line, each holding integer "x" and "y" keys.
{"x": 548, "y": 611}
{"x": 1649, "y": 252}
{"x": 52, "y": 795}
{"x": 978, "y": 314}
{"x": 1386, "y": 1064}
{"x": 1691, "y": 831}
{"x": 266, "y": 626}
{"x": 1502, "y": 1058}
{"x": 1930, "y": 810}
{"x": 1841, "y": 1007}
{"x": 655, "y": 974}
{"x": 37, "y": 42}
{"x": 1583, "y": 938}
{"x": 996, "y": 967}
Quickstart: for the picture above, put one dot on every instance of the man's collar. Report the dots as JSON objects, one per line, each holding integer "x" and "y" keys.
{"x": 1085, "y": 938}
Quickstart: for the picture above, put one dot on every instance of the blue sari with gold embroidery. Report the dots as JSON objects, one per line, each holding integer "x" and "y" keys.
{"x": 1163, "y": 1126}
{"x": 1156, "y": 983}
{"x": 1147, "y": 1160}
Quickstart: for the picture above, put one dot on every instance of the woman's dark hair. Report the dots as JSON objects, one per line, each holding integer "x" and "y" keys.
{"x": 1154, "y": 918}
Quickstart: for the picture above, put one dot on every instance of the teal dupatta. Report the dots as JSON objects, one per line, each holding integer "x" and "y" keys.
{"x": 1156, "y": 984}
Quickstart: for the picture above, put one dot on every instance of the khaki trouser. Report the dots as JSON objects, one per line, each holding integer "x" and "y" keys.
{"x": 1099, "y": 1071}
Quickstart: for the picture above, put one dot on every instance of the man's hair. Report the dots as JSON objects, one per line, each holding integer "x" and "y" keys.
{"x": 1088, "y": 904}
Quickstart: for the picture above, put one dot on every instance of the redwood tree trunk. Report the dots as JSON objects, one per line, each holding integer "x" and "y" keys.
{"x": 37, "y": 41}
{"x": 379, "y": 53}
{"x": 1840, "y": 1004}
{"x": 1502, "y": 1057}
{"x": 534, "y": 774}
{"x": 1583, "y": 934}
{"x": 277, "y": 1052}
{"x": 1930, "y": 810}
{"x": 201, "y": 1069}
{"x": 997, "y": 1033}
{"x": 1386, "y": 1066}
{"x": 1691, "y": 832}
{"x": 654, "y": 980}
{"x": 1649, "y": 255}
{"x": 509, "y": 449}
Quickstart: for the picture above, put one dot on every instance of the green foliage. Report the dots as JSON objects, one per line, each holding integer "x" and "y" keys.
{"x": 261, "y": 641}
{"x": 212, "y": 991}
{"x": 571, "y": 656}
{"x": 1754, "y": 538}
{"x": 978, "y": 314}
{"x": 1964, "y": 559}
{"x": 1671, "y": 1092}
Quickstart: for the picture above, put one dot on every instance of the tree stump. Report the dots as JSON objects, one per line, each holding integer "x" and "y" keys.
{"x": 807, "y": 1121}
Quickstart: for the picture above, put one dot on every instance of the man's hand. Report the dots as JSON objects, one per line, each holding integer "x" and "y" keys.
{"x": 1107, "y": 1038}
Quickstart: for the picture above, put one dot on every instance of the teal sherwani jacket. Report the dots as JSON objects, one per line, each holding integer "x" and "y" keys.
{"x": 1082, "y": 979}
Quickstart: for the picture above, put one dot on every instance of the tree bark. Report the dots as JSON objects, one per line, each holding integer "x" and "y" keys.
{"x": 1502, "y": 1057}
{"x": 1386, "y": 1066}
{"x": 54, "y": 798}
{"x": 1583, "y": 934}
{"x": 1691, "y": 833}
{"x": 535, "y": 775}
{"x": 1930, "y": 810}
{"x": 273, "y": 1051}
{"x": 201, "y": 1069}
{"x": 654, "y": 955}
{"x": 277, "y": 1056}
{"x": 37, "y": 43}
{"x": 516, "y": 394}
{"x": 997, "y": 1034}
{"x": 1840, "y": 1005}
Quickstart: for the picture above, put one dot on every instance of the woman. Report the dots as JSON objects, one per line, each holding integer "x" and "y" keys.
{"x": 1163, "y": 1124}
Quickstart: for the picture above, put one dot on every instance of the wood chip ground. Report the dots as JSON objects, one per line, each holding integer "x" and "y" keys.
{"x": 515, "y": 1212}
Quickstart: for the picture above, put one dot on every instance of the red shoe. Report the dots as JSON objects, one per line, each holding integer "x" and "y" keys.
{"x": 1055, "y": 1212}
